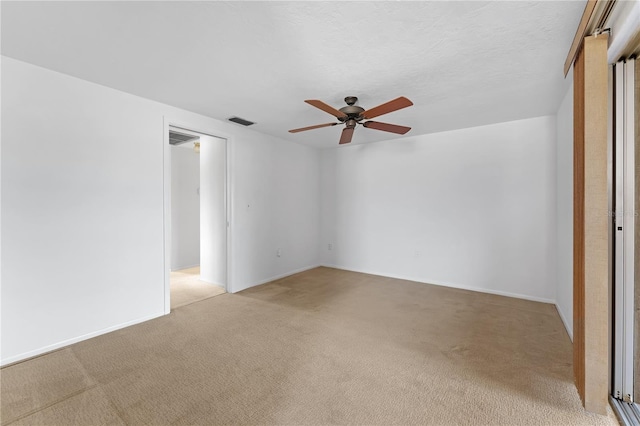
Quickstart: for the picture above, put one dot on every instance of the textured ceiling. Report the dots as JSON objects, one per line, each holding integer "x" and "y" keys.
{"x": 462, "y": 63}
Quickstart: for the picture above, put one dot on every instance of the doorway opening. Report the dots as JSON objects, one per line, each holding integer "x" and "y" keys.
{"x": 197, "y": 217}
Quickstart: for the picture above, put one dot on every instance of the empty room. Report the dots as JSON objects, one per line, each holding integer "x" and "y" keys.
{"x": 379, "y": 212}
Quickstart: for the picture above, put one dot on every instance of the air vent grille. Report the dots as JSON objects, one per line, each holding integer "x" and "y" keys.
{"x": 241, "y": 121}
{"x": 176, "y": 138}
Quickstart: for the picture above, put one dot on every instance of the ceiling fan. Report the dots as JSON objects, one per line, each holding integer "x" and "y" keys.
{"x": 353, "y": 114}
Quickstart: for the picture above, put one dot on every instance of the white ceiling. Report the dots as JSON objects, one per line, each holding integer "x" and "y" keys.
{"x": 461, "y": 63}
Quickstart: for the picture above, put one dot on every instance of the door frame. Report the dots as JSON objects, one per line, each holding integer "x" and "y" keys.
{"x": 228, "y": 198}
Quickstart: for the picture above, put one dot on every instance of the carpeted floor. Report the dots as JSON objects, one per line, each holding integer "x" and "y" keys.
{"x": 186, "y": 287}
{"x": 321, "y": 347}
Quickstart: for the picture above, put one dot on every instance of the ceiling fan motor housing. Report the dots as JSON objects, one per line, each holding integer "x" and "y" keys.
{"x": 353, "y": 111}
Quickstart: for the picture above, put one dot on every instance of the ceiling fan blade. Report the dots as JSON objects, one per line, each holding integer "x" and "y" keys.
{"x": 347, "y": 134}
{"x": 326, "y": 108}
{"x": 385, "y": 127}
{"x": 317, "y": 126}
{"x": 388, "y": 107}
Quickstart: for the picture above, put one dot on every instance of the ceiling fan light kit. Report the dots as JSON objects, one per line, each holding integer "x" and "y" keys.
{"x": 352, "y": 115}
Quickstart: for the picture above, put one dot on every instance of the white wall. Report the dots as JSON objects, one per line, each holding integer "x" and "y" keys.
{"x": 277, "y": 201}
{"x": 83, "y": 205}
{"x": 564, "y": 292}
{"x": 213, "y": 237}
{"x": 185, "y": 208}
{"x": 472, "y": 208}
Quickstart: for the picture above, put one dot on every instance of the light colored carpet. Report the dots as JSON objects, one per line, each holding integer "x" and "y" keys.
{"x": 186, "y": 287}
{"x": 321, "y": 347}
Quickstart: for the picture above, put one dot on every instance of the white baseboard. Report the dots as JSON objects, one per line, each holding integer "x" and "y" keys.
{"x": 49, "y": 348}
{"x": 565, "y": 322}
{"x": 446, "y": 284}
{"x": 277, "y": 277}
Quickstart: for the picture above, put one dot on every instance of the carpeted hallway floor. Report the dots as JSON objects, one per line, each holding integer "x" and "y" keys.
{"x": 321, "y": 347}
{"x": 186, "y": 287}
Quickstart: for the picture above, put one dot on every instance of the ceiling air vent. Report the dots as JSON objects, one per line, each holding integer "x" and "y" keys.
{"x": 176, "y": 138}
{"x": 241, "y": 121}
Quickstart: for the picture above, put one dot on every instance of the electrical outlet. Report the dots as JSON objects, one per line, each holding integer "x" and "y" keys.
{"x": 416, "y": 254}
{"x": 329, "y": 246}
{"x": 279, "y": 253}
